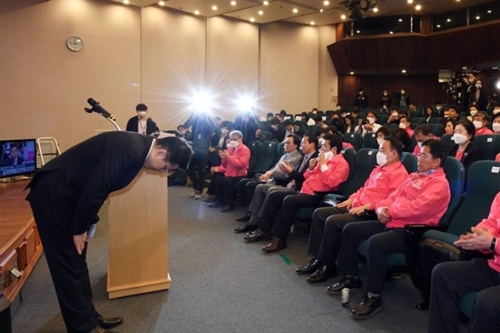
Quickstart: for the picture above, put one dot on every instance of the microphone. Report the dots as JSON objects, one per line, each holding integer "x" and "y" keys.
{"x": 96, "y": 107}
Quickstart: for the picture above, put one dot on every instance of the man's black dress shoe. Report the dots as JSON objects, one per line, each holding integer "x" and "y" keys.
{"x": 227, "y": 208}
{"x": 347, "y": 282}
{"x": 245, "y": 218}
{"x": 109, "y": 322}
{"x": 322, "y": 274}
{"x": 247, "y": 227}
{"x": 311, "y": 267}
{"x": 370, "y": 306}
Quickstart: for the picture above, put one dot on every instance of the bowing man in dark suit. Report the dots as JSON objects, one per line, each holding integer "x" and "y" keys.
{"x": 142, "y": 124}
{"x": 65, "y": 197}
{"x": 465, "y": 150}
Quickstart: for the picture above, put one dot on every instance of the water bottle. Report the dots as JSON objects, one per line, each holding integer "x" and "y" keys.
{"x": 345, "y": 297}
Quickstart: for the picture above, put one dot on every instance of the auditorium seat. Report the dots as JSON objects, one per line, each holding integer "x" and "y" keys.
{"x": 489, "y": 145}
{"x": 370, "y": 141}
{"x": 355, "y": 139}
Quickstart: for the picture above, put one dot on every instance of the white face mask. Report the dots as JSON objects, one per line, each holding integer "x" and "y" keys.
{"x": 224, "y": 131}
{"x": 439, "y": 108}
{"x": 420, "y": 144}
{"x": 328, "y": 155}
{"x": 473, "y": 112}
{"x": 321, "y": 141}
{"x": 496, "y": 110}
{"x": 496, "y": 127}
{"x": 380, "y": 141}
{"x": 381, "y": 159}
{"x": 371, "y": 120}
{"x": 141, "y": 113}
{"x": 234, "y": 143}
{"x": 477, "y": 124}
{"x": 401, "y": 125}
{"x": 459, "y": 138}
{"x": 479, "y": 86}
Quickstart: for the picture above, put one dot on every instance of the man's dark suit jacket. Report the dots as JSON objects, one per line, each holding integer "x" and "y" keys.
{"x": 133, "y": 125}
{"x": 472, "y": 153}
{"x": 298, "y": 175}
{"x": 74, "y": 185}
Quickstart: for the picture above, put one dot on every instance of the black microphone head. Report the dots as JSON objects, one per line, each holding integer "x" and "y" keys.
{"x": 92, "y": 101}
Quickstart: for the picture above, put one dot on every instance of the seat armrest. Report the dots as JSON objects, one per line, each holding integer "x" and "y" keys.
{"x": 467, "y": 255}
{"x": 332, "y": 199}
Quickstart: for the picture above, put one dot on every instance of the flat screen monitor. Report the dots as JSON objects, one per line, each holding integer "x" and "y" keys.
{"x": 17, "y": 157}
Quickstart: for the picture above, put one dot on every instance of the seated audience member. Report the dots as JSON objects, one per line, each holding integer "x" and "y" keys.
{"x": 327, "y": 222}
{"x": 234, "y": 164}
{"x": 449, "y": 127}
{"x": 326, "y": 173}
{"x": 142, "y": 124}
{"x": 272, "y": 177}
{"x": 279, "y": 116}
{"x": 465, "y": 150}
{"x": 496, "y": 123}
{"x": 422, "y": 199}
{"x": 473, "y": 110}
{"x": 319, "y": 122}
{"x": 480, "y": 120}
{"x": 288, "y": 125}
{"x": 350, "y": 124}
{"x": 439, "y": 108}
{"x": 295, "y": 179}
{"x": 394, "y": 116}
{"x": 305, "y": 117}
{"x": 402, "y": 136}
{"x": 452, "y": 113}
{"x": 370, "y": 126}
{"x": 422, "y": 133}
{"x": 277, "y": 131}
{"x": 381, "y": 134}
{"x": 452, "y": 280}
{"x": 337, "y": 122}
{"x": 405, "y": 123}
{"x": 429, "y": 113}
{"x": 269, "y": 116}
{"x": 496, "y": 109}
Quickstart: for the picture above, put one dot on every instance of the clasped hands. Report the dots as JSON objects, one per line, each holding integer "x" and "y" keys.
{"x": 477, "y": 239}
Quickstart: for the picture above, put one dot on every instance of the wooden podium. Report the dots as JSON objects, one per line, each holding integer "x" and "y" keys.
{"x": 138, "y": 236}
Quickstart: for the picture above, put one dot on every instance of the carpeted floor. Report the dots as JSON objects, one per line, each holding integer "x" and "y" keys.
{"x": 220, "y": 284}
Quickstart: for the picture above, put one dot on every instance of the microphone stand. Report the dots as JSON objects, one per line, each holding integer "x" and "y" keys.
{"x": 109, "y": 117}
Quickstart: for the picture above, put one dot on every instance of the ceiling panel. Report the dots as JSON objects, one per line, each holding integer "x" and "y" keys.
{"x": 275, "y": 11}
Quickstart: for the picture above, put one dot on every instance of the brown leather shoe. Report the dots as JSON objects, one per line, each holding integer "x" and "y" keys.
{"x": 258, "y": 235}
{"x": 275, "y": 246}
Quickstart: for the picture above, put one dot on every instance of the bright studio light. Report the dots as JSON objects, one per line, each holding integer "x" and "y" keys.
{"x": 201, "y": 102}
{"x": 498, "y": 84}
{"x": 245, "y": 104}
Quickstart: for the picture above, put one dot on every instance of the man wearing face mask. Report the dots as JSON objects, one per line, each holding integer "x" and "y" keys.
{"x": 402, "y": 99}
{"x": 141, "y": 123}
{"x": 477, "y": 96}
{"x": 496, "y": 109}
{"x": 328, "y": 222}
{"x": 371, "y": 126}
{"x": 439, "y": 108}
{"x": 422, "y": 134}
{"x": 361, "y": 101}
{"x": 385, "y": 99}
{"x": 326, "y": 173}
{"x": 480, "y": 120}
{"x": 452, "y": 113}
{"x": 422, "y": 198}
{"x": 235, "y": 163}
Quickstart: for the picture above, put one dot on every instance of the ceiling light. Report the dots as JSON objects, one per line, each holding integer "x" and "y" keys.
{"x": 233, "y": 3}
{"x": 261, "y": 12}
{"x": 418, "y": 7}
{"x": 196, "y": 12}
{"x": 343, "y": 17}
{"x": 375, "y": 10}
{"x": 352, "y": 73}
{"x": 252, "y": 19}
{"x": 498, "y": 85}
{"x": 265, "y": 3}
{"x": 438, "y": 26}
{"x": 489, "y": 11}
{"x": 390, "y": 32}
{"x": 295, "y": 10}
{"x": 321, "y": 10}
{"x": 312, "y": 22}
{"x": 403, "y": 71}
{"x": 214, "y": 7}
{"x": 448, "y": 20}
{"x": 400, "y": 20}
{"x": 410, "y": 1}
{"x": 326, "y": 3}
{"x": 161, "y": 3}
{"x": 126, "y": 2}
{"x": 357, "y": 31}
{"x": 478, "y": 17}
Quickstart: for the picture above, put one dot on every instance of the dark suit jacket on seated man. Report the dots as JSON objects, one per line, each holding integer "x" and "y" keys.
{"x": 452, "y": 280}
{"x": 324, "y": 174}
{"x": 328, "y": 222}
{"x": 235, "y": 163}
{"x": 66, "y": 195}
{"x": 422, "y": 199}
{"x": 294, "y": 180}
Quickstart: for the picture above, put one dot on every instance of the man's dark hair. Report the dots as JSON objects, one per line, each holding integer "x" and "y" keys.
{"x": 274, "y": 121}
{"x": 401, "y": 135}
{"x": 283, "y": 113}
{"x": 437, "y": 148}
{"x": 287, "y": 122}
{"x": 141, "y": 107}
{"x": 395, "y": 108}
{"x": 296, "y": 139}
{"x": 383, "y": 130}
{"x": 395, "y": 145}
{"x": 318, "y": 118}
{"x": 407, "y": 118}
{"x": 455, "y": 107}
{"x": 297, "y": 123}
{"x": 178, "y": 152}
{"x": 371, "y": 112}
{"x": 335, "y": 141}
{"x": 424, "y": 129}
{"x": 270, "y": 114}
{"x": 312, "y": 139}
{"x": 469, "y": 127}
